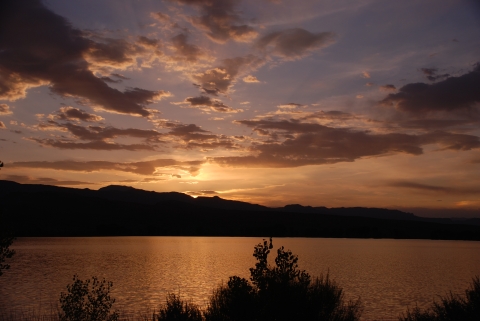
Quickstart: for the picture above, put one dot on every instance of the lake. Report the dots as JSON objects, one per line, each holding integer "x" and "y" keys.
{"x": 388, "y": 275}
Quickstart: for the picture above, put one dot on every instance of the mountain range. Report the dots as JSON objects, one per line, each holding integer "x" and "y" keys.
{"x": 44, "y": 210}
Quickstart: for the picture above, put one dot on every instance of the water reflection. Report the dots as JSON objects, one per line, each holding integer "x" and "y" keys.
{"x": 388, "y": 275}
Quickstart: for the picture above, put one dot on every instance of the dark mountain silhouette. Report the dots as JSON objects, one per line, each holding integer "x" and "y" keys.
{"x": 43, "y": 210}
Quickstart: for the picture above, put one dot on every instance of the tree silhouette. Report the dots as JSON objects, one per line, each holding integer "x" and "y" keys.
{"x": 280, "y": 292}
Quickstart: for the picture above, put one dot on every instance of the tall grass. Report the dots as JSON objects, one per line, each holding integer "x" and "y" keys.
{"x": 451, "y": 308}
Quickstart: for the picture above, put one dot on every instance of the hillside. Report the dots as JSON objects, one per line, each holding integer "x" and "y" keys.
{"x": 42, "y": 210}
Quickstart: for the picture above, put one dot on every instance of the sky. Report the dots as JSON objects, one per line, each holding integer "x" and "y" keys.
{"x": 336, "y": 103}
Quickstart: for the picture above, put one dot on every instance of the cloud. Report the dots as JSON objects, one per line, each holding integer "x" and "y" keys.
{"x": 2, "y": 125}
{"x": 207, "y": 104}
{"x": 40, "y": 47}
{"x": 437, "y": 124}
{"x": 431, "y": 74}
{"x": 193, "y": 136}
{"x": 92, "y": 145}
{"x": 451, "y": 141}
{"x": 450, "y": 95}
{"x": 366, "y": 74}
{"x": 330, "y": 115}
{"x": 290, "y": 106}
{"x": 97, "y": 137}
{"x": 220, "y": 79}
{"x": 220, "y": 21}
{"x": 294, "y": 143}
{"x": 5, "y": 110}
{"x": 108, "y": 132}
{"x": 141, "y": 168}
{"x": 388, "y": 88}
{"x": 201, "y": 193}
{"x": 160, "y": 17}
{"x": 72, "y": 113}
{"x": 294, "y": 43}
{"x": 250, "y": 79}
{"x": 22, "y": 179}
{"x": 185, "y": 51}
{"x": 435, "y": 189}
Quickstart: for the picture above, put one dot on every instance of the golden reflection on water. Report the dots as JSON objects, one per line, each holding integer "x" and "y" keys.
{"x": 388, "y": 275}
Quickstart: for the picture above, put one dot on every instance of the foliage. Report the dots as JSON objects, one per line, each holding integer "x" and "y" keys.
{"x": 280, "y": 292}
{"x": 6, "y": 239}
{"x": 87, "y": 300}
{"x": 451, "y": 308}
{"x": 177, "y": 310}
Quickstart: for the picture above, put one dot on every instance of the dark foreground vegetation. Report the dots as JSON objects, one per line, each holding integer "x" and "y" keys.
{"x": 39, "y": 210}
{"x": 451, "y": 307}
{"x": 278, "y": 292}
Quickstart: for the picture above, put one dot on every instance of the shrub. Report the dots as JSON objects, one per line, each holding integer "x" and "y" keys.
{"x": 451, "y": 308}
{"x": 280, "y": 292}
{"x": 177, "y": 310}
{"x": 87, "y": 300}
{"x": 6, "y": 239}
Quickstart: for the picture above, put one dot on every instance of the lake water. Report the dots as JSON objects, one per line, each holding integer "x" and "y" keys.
{"x": 388, "y": 275}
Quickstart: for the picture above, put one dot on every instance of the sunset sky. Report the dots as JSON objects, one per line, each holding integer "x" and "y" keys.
{"x": 372, "y": 103}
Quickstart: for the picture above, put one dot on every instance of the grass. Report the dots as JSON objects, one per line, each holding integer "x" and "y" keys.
{"x": 451, "y": 308}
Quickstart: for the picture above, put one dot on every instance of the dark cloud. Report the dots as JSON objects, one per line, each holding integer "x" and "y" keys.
{"x": 149, "y": 42}
{"x": 207, "y": 104}
{"x": 109, "y": 132}
{"x": 437, "y": 124}
{"x": 110, "y": 80}
{"x": 185, "y": 51}
{"x": 119, "y": 76}
{"x": 435, "y": 189}
{"x": 450, "y": 95}
{"x": 5, "y": 109}
{"x": 294, "y": 43}
{"x": 193, "y": 136}
{"x": 330, "y": 115}
{"x": 201, "y": 193}
{"x": 220, "y": 20}
{"x": 141, "y": 168}
{"x": 451, "y": 141}
{"x": 220, "y": 79}
{"x": 313, "y": 144}
{"x": 72, "y": 113}
{"x": 431, "y": 74}
{"x": 98, "y": 137}
{"x": 22, "y": 179}
{"x": 92, "y": 145}
{"x": 39, "y": 47}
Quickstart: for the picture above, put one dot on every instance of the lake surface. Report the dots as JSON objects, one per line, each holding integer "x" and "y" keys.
{"x": 388, "y": 275}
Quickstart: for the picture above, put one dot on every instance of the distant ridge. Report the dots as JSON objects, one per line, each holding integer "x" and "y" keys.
{"x": 131, "y": 194}
{"x": 45, "y": 210}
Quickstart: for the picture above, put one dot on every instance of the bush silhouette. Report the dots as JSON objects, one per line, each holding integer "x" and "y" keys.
{"x": 5, "y": 252}
{"x": 280, "y": 292}
{"x": 177, "y": 310}
{"x": 451, "y": 308}
{"x": 87, "y": 301}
